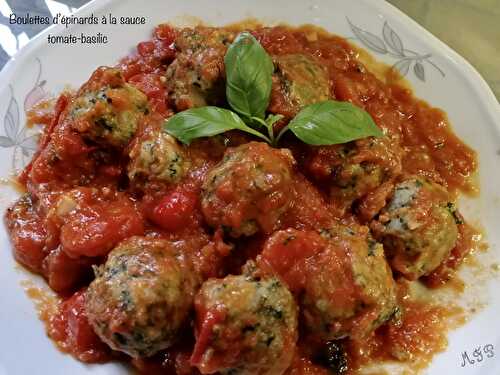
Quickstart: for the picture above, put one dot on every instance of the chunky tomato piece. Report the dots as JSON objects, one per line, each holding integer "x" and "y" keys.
{"x": 145, "y": 48}
{"x": 28, "y": 248}
{"x": 205, "y": 328}
{"x": 151, "y": 84}
{"x": 285, "y": 252}
{"x": 50, "y": 121}
{"x": 95, "y": 230}
{"x": 164, "y": 37}
{"x": 27, "y": 233}
{"x": 28, "y": 244}
{"x": 63, "y": 273}
{"x": 175, "y": 211}
{"x": 71, "y": 329}
{"x": 152, "y": 55}
{"x": 64, "y": 158}
{"x": 165, "y": 33}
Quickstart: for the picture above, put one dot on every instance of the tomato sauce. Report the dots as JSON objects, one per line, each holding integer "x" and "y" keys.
{"x": 432, "y": 148}
{"x": 85, "y": 204}
{"x": 415, "y": 339}
{"x": 71, "y": 330}
{"x": 469, "y": 240}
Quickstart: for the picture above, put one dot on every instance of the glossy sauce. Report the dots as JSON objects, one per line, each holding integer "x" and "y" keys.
{"x": 415, "y": 339}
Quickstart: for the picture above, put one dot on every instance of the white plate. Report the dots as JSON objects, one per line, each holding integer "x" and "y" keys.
{"x": 450, "y": 83}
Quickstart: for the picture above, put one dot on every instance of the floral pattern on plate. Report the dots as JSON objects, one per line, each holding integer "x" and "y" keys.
{"x": 391, "y": 44}
{"x": 23, "y": 140}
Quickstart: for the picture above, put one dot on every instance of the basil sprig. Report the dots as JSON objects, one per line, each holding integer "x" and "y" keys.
{"x": 249, "y": 71}
{"x": 332, "y": 122}
{"x": 248, "y": 89}
{"x": 206, "y": 122}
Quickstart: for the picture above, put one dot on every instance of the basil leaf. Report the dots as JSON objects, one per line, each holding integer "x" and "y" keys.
{"x": 249, "y": 72}
{"x": 205, "y": 122}
{"x": 331, "y": 122}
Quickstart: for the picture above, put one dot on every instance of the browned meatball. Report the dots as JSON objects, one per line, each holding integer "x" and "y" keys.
{"x": 246, "y": 325}
{"x": 343, "y": 281}
{"x": 249, "y": 189}
{"x": 357, "y": 171}
{"x": 157, "y": 156}
{"x": 417, "y": 227}
{"x": 196, "y": 77}
{"x": 107, "y": 110}
{"x": 141, "y": 297}
{"x": 299, "y": 80}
